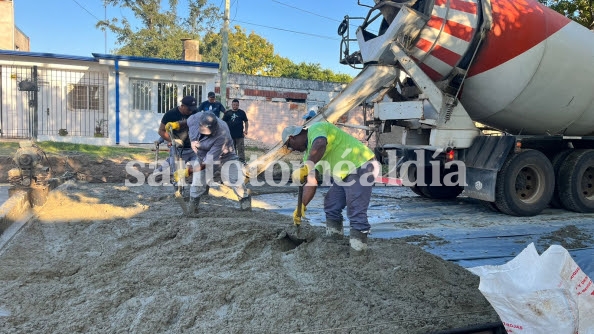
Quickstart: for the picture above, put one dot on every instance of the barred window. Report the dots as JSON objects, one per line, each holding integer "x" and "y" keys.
{"x": 168, "y": 94}
{"x": 85, "y": 97}
{"x": 141, "y": 95}
{"x": 194, "y": 90}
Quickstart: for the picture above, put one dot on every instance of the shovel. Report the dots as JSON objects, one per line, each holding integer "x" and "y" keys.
{"x": 178, "y": 147}
{"x": 299, "y": 204}
{"x": 156, "y": 154}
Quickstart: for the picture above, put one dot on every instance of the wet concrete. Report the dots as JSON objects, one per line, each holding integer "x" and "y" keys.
{"x": 461, "y": 230}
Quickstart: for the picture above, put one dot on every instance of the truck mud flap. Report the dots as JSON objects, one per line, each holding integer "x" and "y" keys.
{"x": 483, "y": 161}
{"x": 480, "y": 183}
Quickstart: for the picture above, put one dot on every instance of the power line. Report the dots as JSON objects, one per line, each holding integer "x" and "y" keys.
{"x": 306, "y": 11}
{"x": 86, "y": 10}
{"x": 293, "y": 31}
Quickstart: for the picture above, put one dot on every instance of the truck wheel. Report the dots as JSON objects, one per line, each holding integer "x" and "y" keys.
{"x": 525, "y": 184}
{"x": 576, "y": 181}
{"x": 440, "y": 192}
{"x": 490, "y": 205}
{"x": 557, "y": 161}
{"x": 415, "y": 189}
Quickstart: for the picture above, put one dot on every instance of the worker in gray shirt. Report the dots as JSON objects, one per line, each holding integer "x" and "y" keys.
{"x": 213, "y": 145}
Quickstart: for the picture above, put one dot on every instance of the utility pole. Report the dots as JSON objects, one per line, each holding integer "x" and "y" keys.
{"x": 105, "y": 29}
{"x": 225, "y": 56}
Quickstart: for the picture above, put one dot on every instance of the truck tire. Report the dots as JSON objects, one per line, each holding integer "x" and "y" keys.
{"x": 558, "y": 159}
{"x": 525, "y": 184}
{"x": 576, "y": 181}
{"x": 415, "y": 189}
{"x": 490, "y": 205}
{"x": 439, "y": 192}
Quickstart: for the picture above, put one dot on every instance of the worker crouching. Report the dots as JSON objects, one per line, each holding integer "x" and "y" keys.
{"x": 353, "y": 169}
{"x": 213, "y": 145}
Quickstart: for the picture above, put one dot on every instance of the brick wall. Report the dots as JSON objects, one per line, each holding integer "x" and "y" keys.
{"x": 271, "y": 104}
{"x": 21, "y": 41}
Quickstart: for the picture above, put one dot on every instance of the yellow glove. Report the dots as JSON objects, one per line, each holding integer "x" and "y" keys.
{"x": 172, "y": 126}
{"x": 181, "y": 174}
{"x": 300, "y": 175}
{"x": 297, "y": 220}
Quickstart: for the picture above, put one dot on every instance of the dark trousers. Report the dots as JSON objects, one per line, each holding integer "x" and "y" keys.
{"x": 354, "y": 193}
{"x": 239, "y": 148}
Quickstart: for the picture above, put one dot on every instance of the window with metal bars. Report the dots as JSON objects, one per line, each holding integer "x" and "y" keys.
{"x": 141, "y": 95}
{"x": 85, "y": 97}
{"x": 168, "y": 94}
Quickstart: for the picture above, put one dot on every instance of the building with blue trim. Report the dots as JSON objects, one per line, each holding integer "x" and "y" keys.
{"x": 102, "y": 100}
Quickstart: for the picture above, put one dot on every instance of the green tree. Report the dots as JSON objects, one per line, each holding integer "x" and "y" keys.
{"x": 252, "y": 54}
{"x": 249, "y": 54}
{"x": 162, "y": 30}
{"x": 284, "y": 67}
{"x": 580, "y": 11}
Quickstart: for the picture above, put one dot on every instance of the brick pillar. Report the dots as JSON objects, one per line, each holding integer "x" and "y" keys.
{"x": 191, "y": 51}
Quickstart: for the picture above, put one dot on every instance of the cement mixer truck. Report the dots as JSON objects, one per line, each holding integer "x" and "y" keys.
{"x": 445, "y": 71}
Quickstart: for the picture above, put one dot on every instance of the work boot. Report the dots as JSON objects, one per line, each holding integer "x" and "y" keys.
{"x": 334, "y": 228}
{"x": 194, "y": 207}
{"x": 245, "y": 204}
{"x": 358, "y": 240}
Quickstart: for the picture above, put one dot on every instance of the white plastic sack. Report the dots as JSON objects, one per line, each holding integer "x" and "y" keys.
{"x": 540, "y": 294}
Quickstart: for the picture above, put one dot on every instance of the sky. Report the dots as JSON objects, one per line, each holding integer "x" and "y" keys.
{"x": 301, "y": 30}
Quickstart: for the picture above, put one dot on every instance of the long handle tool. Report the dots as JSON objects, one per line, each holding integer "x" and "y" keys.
{"x": 299, "y": 204}
{"x": 178, "y": 148}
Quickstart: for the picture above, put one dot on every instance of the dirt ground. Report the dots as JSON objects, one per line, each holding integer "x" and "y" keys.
{"x": 102, "y": 257}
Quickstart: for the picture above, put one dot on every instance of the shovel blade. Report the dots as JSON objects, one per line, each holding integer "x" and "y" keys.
{"x": 182, "y": 202}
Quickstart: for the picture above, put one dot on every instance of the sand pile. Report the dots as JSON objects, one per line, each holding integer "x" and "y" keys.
{"x": 108, "y": 258}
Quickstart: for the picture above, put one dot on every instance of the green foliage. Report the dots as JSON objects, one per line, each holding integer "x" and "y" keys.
{"x": 161, "y": 33}
{"x": 104, "y": 152}
{"x": 252, "y": 54}
{"x": 50, "y": 147}
{"x": 579, "y": 11}
{"x": 248, "y": 54}
{"x": 283, "y": 67}
{"x": 162, "y": 30}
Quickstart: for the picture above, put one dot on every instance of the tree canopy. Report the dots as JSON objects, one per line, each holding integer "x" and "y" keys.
{"x": 580, "y": 11}
{"x": 248, "y": 54}
{"x": 161, "y": 31}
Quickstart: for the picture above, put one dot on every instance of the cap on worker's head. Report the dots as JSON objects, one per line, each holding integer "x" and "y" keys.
{"x": 189, "y": 101}
{"x": 208, "y": 123}
{"x": 211, "y": 94}
{"x": 309, "y": 115}
{"x": 292, "y": 130}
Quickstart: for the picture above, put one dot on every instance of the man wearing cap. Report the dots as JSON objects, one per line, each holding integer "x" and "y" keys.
{"x": 353, "y": 168}
{"x": 309, "y": 115}
{"x": 213, "y": 145}
{"x": 212, "y": 105}
{"x": 177, "y": 114}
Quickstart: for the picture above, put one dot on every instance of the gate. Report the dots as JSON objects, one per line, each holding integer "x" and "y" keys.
{"x": 18, "y": 106}
{"x": 52, "y": 102}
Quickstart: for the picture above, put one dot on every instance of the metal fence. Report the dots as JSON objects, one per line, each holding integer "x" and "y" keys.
{"x": 38, "y": 101}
